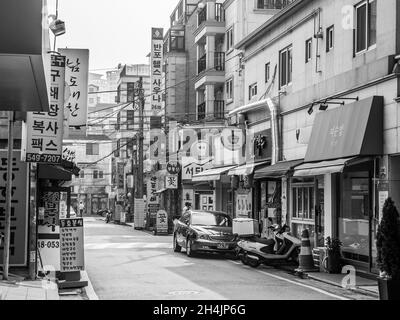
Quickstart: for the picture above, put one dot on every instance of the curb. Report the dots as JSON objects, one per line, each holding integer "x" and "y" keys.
{"x": 356, "y": 290}
{"x": 90, "y": 293}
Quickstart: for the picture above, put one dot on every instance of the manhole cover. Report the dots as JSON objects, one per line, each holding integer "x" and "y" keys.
{"x": 183, "y": 293}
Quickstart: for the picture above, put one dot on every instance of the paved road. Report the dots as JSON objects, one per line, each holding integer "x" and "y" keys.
{"x": 128, "y": 264}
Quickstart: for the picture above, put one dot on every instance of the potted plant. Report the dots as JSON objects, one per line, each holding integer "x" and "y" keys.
{"x": 332, "y": 261}
{"x": 388, "y": 247}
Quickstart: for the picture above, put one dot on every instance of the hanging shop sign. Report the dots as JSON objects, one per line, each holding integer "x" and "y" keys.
{"x": 153, "y": 203}
{"x": 19, "y": 208}
{"x": 171, "y": 182}
{"x": 162, "y": 222}
{"x": 72, "y": 245}
{"x": 77, "y": 78}
{"x": 157, "y": 41}
{"x": 68, "y": 154}
{"x": 173, "y": 167}
{"x": 120, "y": 176}
{"x": 43, "y": 131}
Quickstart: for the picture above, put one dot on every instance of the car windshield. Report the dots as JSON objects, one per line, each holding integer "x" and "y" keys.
{"x": 211, "y": 219}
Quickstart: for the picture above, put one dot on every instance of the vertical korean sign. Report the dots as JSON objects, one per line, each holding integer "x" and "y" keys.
{"x": 157, "y": 40}
{"x": 72, "y": 245}
{"x": 43, "y": 132}
{"x": 19, "y": 208}
{"x": 77, "y": 78}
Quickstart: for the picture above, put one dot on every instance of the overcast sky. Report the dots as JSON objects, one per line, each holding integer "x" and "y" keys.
{"x": 113, "y": 30}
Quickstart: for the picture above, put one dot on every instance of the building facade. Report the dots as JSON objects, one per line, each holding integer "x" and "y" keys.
{"x": 330, "y": 98}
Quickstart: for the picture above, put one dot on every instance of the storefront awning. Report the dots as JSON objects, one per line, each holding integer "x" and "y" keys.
{"x": 353, "y": 130}
{"x": 211, "y": 174}
{"x": 247, "y": 169}
{"x": 277, "y": 170}
{"x": 327, "y": 167}
{"x": 54, "y": 172}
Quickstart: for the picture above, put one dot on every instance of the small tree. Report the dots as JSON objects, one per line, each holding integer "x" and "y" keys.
{"x": 388, "y": 242}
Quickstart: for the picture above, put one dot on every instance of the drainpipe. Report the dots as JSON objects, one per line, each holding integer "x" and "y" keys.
{"x": 274, "y": 110}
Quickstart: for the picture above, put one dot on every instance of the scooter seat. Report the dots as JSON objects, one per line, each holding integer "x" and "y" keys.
{"x": 263, "y": 241}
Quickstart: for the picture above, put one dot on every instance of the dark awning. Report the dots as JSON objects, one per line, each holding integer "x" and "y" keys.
{"x": 277, "y": 170}
{"x": 327, "y": 167}
{"x": 54, "y": 172}
{"x": 350, "y": 131}
{"x": 247, "y": 169}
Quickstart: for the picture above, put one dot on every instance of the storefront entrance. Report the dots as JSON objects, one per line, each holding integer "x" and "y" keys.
{"x": 357, "y": 222}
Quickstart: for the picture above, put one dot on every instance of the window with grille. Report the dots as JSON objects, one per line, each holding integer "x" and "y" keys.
{"x": 303, "y": 203}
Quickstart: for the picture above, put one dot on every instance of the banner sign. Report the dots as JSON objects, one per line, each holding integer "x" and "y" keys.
{"x": 152, "y": 188}
{"x": 157, "y": 42}
{"x": 72, "y": 245}
{"x": 162, "y": 222}
{"x": 77, "y": 78}
{"x": 120, "y": 176}
{"x": 19, "y": 208}
{"x": 43, "y": 131}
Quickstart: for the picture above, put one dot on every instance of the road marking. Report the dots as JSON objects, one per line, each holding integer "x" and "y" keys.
{"x": 296, "y": 283}
{"x": 133, "y": 245}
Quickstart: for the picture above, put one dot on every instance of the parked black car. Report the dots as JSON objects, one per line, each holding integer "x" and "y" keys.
{"x": 204, "y": 231}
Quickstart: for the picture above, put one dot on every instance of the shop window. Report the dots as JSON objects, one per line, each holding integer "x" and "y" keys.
{"x": 355, "y": 216}
{"x": 303, "y": 203}
{"x": 365, "y": 33}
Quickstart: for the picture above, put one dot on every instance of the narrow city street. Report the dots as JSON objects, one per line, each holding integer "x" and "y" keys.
{"x": 124, "y": 263}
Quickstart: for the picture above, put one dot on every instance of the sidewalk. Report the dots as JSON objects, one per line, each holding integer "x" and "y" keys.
{"x": 28, "y": 290}
{"x": 362, "y": 285}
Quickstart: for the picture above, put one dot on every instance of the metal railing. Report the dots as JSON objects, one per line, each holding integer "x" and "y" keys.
{"x": 219, "y": 12}
{"x": 202, "y": 16}
{"x": 202, "y": 64}
{"x": 219, "y": 61}
{"x": 201, "y": 111}
{"x": 219, "y": 109}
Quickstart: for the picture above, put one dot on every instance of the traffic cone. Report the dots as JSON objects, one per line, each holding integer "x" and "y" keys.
{"x": 306, "y": 261}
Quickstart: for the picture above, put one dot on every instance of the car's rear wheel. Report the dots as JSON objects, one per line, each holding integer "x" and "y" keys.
{"x": 177, "y": 247}
{"x": 189, "y": 246}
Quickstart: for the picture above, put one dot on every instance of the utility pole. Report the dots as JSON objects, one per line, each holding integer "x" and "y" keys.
{"x": 140, "y": 176}
{"x": 7, "y": 227}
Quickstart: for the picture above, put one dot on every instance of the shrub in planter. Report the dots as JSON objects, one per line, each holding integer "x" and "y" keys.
{"x": 388, "y": 247}
{"x": 332, "y": 262}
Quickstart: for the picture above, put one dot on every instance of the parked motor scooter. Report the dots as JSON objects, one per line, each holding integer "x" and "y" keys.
{"x": 283, "y": 247}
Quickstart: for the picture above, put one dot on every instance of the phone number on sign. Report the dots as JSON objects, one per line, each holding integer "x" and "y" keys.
{"x": 46, "y": 158}
{"x": 49, "y": 244}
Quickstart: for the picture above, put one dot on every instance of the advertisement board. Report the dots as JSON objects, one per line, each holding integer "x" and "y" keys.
{"x": 19, "y": 208}
{"x": 72, "y": 256}
{"x": 157, "y": 43}
{"x": 43, "y": 131}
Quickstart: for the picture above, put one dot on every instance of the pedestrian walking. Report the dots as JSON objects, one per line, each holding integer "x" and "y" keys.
{"x": 81, "y": 208}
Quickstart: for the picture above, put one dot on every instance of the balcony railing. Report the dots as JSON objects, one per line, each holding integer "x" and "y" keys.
{"x": 202, "y": 64}
{"x": 273, "y": 4}
{"x": 219, "y": 109}
{"x": 202, "y": 16}
{"x": 219, "y": 61}
{"x": 201, "y": 111}
{"x": 219, "y": 14}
